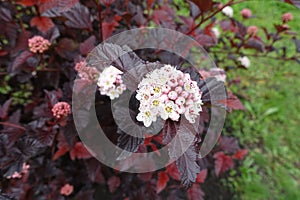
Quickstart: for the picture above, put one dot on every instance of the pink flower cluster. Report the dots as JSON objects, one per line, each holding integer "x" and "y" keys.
{"x": 85, "y": 72}
{"x": 246, "y": 13}
{"x": 168, "y": 93}
{"x": 61, "y": 109}
{"x": 25, "y": 168}
{"x": 66, "y": 190}
{"x": 286, "y": 17}
{"x": 110, "y": 82}
{"x": 38, "y": 44}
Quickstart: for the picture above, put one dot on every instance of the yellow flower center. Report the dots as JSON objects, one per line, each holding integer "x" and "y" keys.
{"x": 156, "y": 89}
{"x": 155, "y": 102}
{"x": 147, "y": 113}
{"x": 168, "y": 109}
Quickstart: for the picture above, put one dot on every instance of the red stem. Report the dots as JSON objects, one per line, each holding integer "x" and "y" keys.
{"x": 13, "y": 125}
{"x": 17, "y": 14}
{"x": 99, "y": 8}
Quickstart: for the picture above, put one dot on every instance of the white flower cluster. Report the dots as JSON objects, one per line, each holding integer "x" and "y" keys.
{"x": 110, "y": 82}
{"x": 228, "y": 11}
{"x": 244, "y": 61}
{"x": 168, "y": 93}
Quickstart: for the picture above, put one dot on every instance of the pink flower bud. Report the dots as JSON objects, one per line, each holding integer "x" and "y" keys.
{"x": 178, "y": 89}
{"x": 172, "y": 82}
{"x": 66, "y": 190}
{"x": 184, "y": 94}
{"x": 173, "y": 95}
{"x": 252, "y": 30}
{"x": 79, "y": 66}
{"x": 246, "y": 13}
{"x": 286, "y": 17}
{"x": 180, "y": 101}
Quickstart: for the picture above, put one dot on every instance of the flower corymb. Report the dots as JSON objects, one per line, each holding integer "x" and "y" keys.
{"x": 85, "y": 72}
{"x": 38, "y": 44}
{"x": 168, "y": 93}
{"x": 61, "y": 109}
{"x": 110, "y": 82}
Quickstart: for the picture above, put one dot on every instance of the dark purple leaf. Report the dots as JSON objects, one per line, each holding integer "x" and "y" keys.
{"x": 212, "y": 90}
{"x": 194, "y": 9}
{"x": 67, "y": 48}
{"x": 205, "y": 40}
{"x": 22, "y": 43}
{"x": 113, "y": 183}
{"x": 52, "y": 97}
{"x": 4, "y": 109}
{"x": 10, "y": 30}
{"x": 87, "y": 45}
{"x": 128, "y": 142}
{"x": 86, "y": 195}
{"x": 21, "y": 59}
{"x": 6, "y": 196}
{"x": 255, "y": 44}
{"x": 78, "y": 17}
{"x": 93, "y": 167}
{"x": 232, "y": 102}
{"x": 58, "y": 6}
{"x": 226, "y": 25}
{"x": 33, "y": 61}
{"x": 5, "y": 14}
{"x": 188, "y": 167}
{"x": 52, "y": 34}
{"x": 176, "y": 194}
{"x": 165, "y": 16}
{"x": 195, "y": 192}
{"x": 69, "y": 132}
{"x": 29, "y": 147}
{"x": 46, "y": 137}
{"x": 12, "y": 128}
{"x": 203, "y": 5}
{"x": 169, "y": 131}
{"x": 229, "y": 144}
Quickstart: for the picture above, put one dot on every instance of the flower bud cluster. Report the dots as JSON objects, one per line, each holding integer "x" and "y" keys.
{"x": 38, "y": 44}
{"x": 61, "y": 109}
{"x": 85, "y": 72}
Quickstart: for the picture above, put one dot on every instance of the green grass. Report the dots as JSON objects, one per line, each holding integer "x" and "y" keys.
{"x": 269, "y": 128}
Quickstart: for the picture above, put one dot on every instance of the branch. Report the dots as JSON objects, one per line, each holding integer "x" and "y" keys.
{"x": 229, "y": 3}
{"x": 99, "y": 9}
{"x": 255, "y": 55}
